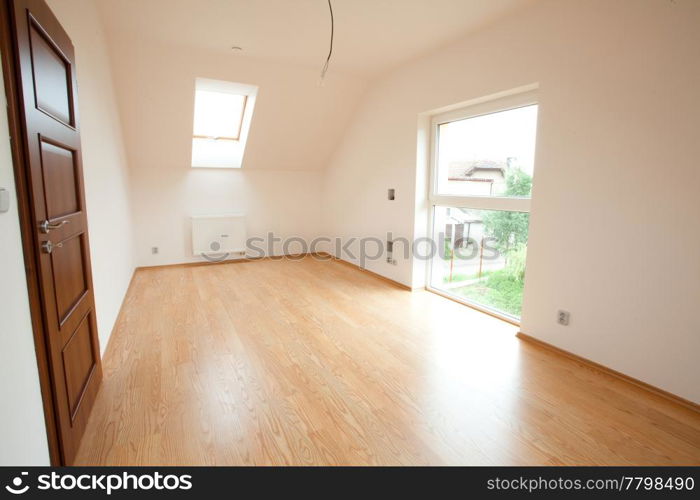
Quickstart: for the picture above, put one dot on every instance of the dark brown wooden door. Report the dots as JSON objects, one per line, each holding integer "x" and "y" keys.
{"x": 48, "y": 91}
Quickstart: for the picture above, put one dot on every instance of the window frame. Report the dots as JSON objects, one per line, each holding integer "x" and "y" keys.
{"x": 240, "y": 123}
{"x": 479, "y": 107}
{"x": 515, "y": 101}
{"x": 202, "y": 155}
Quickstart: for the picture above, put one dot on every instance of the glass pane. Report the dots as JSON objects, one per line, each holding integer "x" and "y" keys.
{"x": 217, "y": 114}
{"x": 488, "y": 155}
{"x": 216, "y": 154}
{"x": 481, "y": 256}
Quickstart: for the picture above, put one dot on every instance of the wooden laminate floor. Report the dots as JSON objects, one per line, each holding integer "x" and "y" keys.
{"x": 308, "y": 362}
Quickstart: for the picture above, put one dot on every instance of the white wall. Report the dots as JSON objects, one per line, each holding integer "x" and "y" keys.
{"x": 286, "y": 203}
{"x": 613, "y": 234}
{"x": 106, "y": 174}
{"x": 294, "y": 129}
{"x": 22, "y": 431}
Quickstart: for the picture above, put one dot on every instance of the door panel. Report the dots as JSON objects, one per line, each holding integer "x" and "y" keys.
{"x": 51, "y": 75}
{"x": 80, "y": 361}
{"x": 69, "y": 277}
{"x": 60, "y": 171}
{"x": 49, "y": 116}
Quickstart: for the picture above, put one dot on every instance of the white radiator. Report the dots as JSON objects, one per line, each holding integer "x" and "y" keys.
{"x": 218, "y": 234}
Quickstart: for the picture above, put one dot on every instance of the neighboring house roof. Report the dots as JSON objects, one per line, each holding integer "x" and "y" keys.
{"x": 477, "y": 171}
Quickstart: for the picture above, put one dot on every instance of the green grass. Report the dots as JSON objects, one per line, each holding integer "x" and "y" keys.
{"x": 465, "y": 277}
{"x": 500, "y": 291}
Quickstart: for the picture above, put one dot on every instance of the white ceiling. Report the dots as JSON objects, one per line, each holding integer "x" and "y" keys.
{"x": 370, "y": 35}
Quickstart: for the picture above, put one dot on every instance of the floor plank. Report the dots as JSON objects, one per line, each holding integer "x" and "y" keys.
{"x": 313, "y": 362}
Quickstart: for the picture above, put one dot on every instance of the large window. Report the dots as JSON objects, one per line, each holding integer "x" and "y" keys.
{"x": 481, "y": 183}
{"x": 222, "y": 115}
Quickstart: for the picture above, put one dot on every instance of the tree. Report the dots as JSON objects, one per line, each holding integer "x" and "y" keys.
{"x": 509, "y": 229}
{"x": 518, "y": 183}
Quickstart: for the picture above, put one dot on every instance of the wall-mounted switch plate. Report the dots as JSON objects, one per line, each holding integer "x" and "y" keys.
{"x": 4, "y": 200}
{"x": 391, "y": 194}
{"x": 563, "y": 317}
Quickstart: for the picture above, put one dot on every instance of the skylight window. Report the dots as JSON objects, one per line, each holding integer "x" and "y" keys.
{"x": 222, "y": 115}
{"x": 218, "y": 115}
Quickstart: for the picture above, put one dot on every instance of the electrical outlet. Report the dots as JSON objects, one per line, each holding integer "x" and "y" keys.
{"x": 390, "y": 252}
{"x": 154, "y": 250}
{"x": 563, "y": 317}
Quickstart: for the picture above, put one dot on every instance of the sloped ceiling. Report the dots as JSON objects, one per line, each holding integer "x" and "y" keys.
{"x": 159, "y": 47}
{"x": 370, "y": 35}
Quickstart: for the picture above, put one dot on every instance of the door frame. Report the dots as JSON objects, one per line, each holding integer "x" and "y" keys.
{"x": 30, "y": 246}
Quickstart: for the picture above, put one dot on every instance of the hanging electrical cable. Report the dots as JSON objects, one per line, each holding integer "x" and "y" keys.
{"x": 330, "y": 50}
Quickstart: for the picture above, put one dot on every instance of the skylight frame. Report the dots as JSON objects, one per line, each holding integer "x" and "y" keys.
{"x": 228, "y": 152}
{"x": 240, "y": 122}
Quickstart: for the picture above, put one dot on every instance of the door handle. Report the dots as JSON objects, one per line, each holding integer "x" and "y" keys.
{"x": 46, "y": 226}
{"x": 48, "y": 246}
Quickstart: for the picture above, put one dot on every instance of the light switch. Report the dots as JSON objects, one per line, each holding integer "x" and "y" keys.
{"x": 4, "y": 200}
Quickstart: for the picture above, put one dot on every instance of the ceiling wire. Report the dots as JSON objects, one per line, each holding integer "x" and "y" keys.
{"x": 330, "y": 50}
